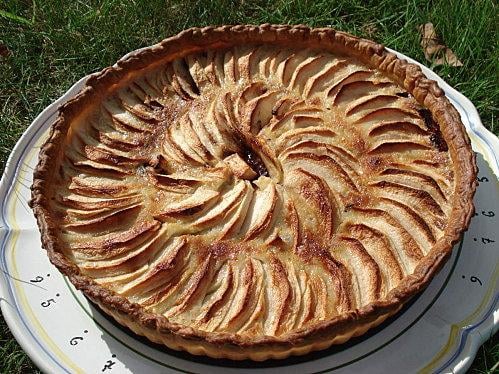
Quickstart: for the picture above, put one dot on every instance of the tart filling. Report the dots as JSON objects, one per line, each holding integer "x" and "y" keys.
{"x": 273, "y": 196}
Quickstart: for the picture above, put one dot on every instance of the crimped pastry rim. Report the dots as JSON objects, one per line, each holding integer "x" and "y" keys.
{"x": 406, "y": 74}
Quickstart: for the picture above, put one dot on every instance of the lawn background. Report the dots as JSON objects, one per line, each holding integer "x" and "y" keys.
{"x": 47, "y": 45}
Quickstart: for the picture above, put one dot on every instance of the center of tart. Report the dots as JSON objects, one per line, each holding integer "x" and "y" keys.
{"x": 246, "y": 165}
{"x": 286, "y": 187}
{"x": 254, "y": 162}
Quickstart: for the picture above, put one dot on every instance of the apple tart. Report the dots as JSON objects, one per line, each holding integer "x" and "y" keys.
{"x": 254, "y": 192}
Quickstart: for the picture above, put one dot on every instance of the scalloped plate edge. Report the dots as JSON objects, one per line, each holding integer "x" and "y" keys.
{"x": 471, "y": 337}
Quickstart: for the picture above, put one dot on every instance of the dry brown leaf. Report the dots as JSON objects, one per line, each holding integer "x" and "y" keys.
{"x": 434, "y": 49}
{"x": 4, "y": 51}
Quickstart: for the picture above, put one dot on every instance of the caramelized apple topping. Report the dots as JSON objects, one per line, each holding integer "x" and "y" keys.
{"x": 252, "y": 190}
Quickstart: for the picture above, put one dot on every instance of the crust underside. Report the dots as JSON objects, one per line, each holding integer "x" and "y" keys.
{"x": 254, "y": 192}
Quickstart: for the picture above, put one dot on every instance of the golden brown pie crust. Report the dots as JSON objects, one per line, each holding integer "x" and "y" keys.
{"x": 322, "y": 334}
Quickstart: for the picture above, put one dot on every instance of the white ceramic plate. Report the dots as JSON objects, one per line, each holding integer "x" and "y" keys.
{"x": 439, "y": 331}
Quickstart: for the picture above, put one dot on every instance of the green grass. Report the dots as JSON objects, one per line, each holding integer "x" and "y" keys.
{"x": 53, "y": 43}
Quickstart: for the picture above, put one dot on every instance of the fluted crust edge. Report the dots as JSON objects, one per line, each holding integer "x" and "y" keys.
{"x": 323, "y": 334}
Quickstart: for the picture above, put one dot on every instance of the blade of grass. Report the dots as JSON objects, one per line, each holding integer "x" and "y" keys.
{"x": 15, "y": 18}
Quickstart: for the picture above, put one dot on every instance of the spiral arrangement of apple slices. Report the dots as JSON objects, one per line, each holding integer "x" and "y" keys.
{"x": 254, "y": 190}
